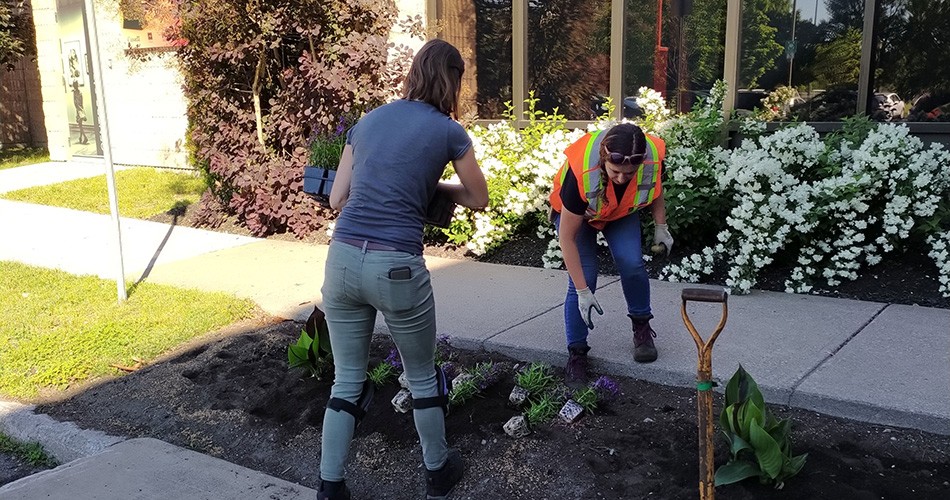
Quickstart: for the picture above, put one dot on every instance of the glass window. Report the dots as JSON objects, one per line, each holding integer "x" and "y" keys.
{"x": 688, "y": 48}
{"x": 569, "y": 55}
{"x": 481, "y": 30}
{"x": 805, "y": 53}
{"x": 911, "y": 79}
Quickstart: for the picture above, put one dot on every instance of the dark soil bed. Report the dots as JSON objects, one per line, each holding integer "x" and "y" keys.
{"x": 233, "y": 397}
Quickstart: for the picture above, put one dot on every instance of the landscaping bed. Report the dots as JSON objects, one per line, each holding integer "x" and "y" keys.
{"x": 235, "y": 398}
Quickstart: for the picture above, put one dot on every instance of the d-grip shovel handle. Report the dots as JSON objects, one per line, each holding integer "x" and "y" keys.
{"x": 705, "y": 295}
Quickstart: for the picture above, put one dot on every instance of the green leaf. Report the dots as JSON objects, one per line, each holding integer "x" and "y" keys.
{"x": 297, "y": 356}
{"x": 766, "y": 451}
{"x": 732, "y": 388}
{"x": 793, "y": 466}
{"x": 739, "y": 444}
{"x": 748, "y": 414}
{"x": 736, "y": 471}
{"x": 323, "y": 336}
{"x": 304, "y": 341}
{"x": 780, "y": 433}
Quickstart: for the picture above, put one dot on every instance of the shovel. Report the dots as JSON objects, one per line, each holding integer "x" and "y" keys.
{"x": 704, "y": 384}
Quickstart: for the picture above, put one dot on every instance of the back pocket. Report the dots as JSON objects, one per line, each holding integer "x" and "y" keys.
{"x": 398, "y": 295}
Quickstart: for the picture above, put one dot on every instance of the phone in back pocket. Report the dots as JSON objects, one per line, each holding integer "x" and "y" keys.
{"x": 400, "y": 273}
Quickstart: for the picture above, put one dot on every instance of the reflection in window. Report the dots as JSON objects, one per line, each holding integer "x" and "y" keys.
{"x": 689, "y": 57}
{"x": 569, "y": 55}
{"x": 911, "y": 78}
{"x": 806, "y": 54}
{"x": 481, "y": 30}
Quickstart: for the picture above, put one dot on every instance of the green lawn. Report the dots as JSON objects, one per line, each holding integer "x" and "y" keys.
{"x": 143, "y": 192}
{"x": 57, "y": 329}
{"x": 19, "y": 156}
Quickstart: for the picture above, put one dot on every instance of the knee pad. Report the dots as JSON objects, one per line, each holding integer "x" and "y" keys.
{"x": 358, "y": 409}
{"x": 443, "y": 386}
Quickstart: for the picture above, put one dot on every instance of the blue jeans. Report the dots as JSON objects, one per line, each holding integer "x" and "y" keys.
{"x": 356, "y": 286}
{"x": 623, "y": 239}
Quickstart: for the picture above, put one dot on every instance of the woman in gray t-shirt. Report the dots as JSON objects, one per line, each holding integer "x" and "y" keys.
{"x": 390, "y": 169}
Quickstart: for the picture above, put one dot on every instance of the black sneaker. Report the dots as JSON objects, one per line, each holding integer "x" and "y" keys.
{"x": 439, "y": 483}
{"x": 644, "y": 351}
{"x": 575, "y": 373}
{"x": 333, "y": 490}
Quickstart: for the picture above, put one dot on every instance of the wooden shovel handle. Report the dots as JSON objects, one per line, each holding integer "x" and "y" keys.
{"x": 705, "y": 295}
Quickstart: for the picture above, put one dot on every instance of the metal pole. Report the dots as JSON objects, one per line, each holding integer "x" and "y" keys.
{"x": 616, "y": 90}
{"x": 731, "y": 63}
{"x": 106, "y": 143}
{"x": 791, "y": 54}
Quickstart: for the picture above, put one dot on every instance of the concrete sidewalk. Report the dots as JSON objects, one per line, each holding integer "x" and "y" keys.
{"x": 879, "y": 363}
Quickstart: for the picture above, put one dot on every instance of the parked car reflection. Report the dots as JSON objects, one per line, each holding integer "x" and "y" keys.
{"x": 886, "y": 107}
{"x": 930, "y": 107}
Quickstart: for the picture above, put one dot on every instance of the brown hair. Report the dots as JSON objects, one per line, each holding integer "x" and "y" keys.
{"x": 436, "y": 76}
{"x": 626, "y": 139}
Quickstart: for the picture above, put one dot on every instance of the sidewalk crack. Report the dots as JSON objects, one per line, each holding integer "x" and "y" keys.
{"x": 542, "y": 313}
{"x": 835, "y": 351}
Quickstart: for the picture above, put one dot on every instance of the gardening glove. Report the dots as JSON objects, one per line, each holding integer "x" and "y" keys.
{"x": 661, "y": 236}
{"x": 586, "y": 302}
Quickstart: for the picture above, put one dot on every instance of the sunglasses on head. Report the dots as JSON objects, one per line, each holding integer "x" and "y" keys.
{"x": 619, "y": 159}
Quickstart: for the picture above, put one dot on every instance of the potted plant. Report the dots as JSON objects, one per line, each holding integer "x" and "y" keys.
{"x": 326, "y": 148}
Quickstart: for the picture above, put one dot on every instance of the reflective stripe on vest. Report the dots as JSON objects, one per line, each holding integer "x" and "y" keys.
{"x": 647, "y": 176}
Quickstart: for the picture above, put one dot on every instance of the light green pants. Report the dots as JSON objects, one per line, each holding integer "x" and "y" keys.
{"x": 356, "y": 285}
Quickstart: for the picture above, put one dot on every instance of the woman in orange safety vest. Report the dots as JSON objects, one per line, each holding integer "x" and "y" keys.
{"x": 607, "y": 178}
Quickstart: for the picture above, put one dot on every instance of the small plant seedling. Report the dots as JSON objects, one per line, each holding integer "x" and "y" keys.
{"x": 543, "y": 409}
{"x": 463, "y": 391}
{"x": 381, "y": 374}
{"x": 536, "y": 379}
{"x": 587, "y": 398}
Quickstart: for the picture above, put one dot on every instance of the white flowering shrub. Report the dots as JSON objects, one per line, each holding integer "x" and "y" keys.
{"x": 940, "y": 245}
{"x": 829, "y": 206}
{"x": 695, "y": 201}
{"x": 832, "y": 205}
{"x": 519, "y": 167}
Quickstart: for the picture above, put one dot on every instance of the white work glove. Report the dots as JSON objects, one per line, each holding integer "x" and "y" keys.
{"x": 662, "y": 235}
{"x": 587, "y": 303}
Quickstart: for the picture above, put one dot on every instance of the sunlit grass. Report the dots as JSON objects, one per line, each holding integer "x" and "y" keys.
{"x": 58, "y": 329}
{"x": 143, "y": 192}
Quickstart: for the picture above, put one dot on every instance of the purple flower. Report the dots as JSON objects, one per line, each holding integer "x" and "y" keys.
{"x": 490, "y": 375}
{"x": 394, "y": 359}
{"x": 450, "y": 370}
{"x": 607, "y": 389}
{"x": 340, "y": 126}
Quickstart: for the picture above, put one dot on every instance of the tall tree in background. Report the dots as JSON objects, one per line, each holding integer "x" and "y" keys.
{"x": 838, "y": 63}
{"x": 844, "y": 15}
{"x": 493, "y": 56}
{"x": 566, "y": 67}
{"x": 914, "y": 49}
{"x": 706, "y": 31}
{"x": 17, "y": 35}
{"x": 760, "y": 47}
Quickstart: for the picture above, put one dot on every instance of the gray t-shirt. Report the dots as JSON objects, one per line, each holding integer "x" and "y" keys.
{"x": 399, "y": 153}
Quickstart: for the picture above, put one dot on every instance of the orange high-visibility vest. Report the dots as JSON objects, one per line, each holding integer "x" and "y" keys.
{"x": 583, "y": 159}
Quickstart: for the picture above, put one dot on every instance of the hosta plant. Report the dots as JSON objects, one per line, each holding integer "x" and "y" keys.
{"x": 312, "y": 350}
{"x": 759, "y": 444}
